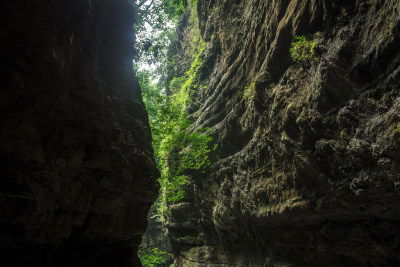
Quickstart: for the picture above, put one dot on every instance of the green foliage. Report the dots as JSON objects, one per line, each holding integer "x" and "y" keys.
{"x": 157, "y": 210}
{"x": 182, "y": 86}
{"x": 396, "y": 128}
{"x": 178, "y": 147}
{"x": 302, "y": 50}
{"x": 189, "y": 152}
{"x": 175, "y": 8}
{"x": 183, "y": 148}
{"x": 155, "y": 25}
{"x": 154, "y": 257}
{"x": 248, "y": 91}
{"x": 172, "y": 8}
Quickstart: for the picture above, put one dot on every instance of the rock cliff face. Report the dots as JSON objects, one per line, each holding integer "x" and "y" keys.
{"x": 77, "y": 171}
{"x": 155, "y": 237}
{"x": 307, "y": 172}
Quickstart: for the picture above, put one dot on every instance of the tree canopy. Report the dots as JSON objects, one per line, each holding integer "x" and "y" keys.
{"x": 155, "y": 25}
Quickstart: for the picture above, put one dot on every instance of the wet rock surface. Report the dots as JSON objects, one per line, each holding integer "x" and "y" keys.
{"x": 307, "y": 169}
{"x": 77, "y": 171}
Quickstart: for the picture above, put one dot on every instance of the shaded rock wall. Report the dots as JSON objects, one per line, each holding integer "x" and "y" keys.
{"x": 156, "y": 238}
{"x": 307, "y": 172}
{"x": 77, "y": 172}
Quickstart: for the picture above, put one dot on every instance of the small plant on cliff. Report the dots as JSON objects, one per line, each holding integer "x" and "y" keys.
{"x": 154, "y": 257}
{"x": 248, "y": 91}
{"x": 302, "y": 50}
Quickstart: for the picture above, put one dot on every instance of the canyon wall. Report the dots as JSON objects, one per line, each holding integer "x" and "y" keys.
{"x": 77, "y": 169}
{"x": 307, "y": 170}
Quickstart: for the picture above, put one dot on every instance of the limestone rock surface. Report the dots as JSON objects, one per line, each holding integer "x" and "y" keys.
{"x": 76, "y": 165}
{"x": 307, "y": 172}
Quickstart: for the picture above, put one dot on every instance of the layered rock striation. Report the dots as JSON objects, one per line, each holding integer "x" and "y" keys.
{"x": 77, "y": 171}
{"x": 307, "y": 172}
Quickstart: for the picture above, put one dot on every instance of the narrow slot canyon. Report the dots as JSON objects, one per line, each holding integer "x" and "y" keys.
{"x": 213, "y": 133}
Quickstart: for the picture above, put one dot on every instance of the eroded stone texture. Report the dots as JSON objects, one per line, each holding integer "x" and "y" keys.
{"x": 156, "y": 238}
{"x": 77, "y": 171}
{"x": 307, "y": 172}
